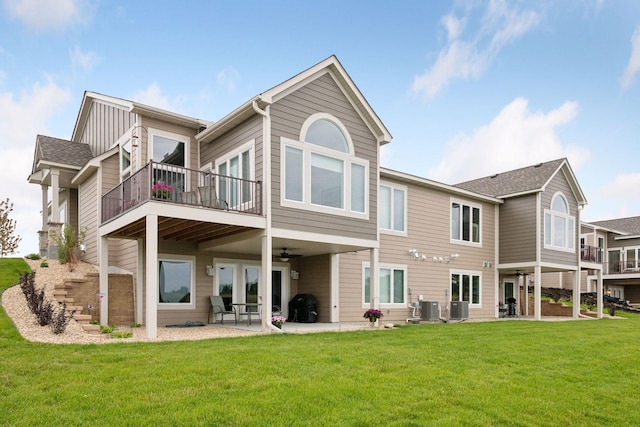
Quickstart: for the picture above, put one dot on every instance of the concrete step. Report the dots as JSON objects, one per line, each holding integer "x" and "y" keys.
{"x": 60, "y": 292}
{"x": 91, "y": 329}
{"x": 82, "y": 318}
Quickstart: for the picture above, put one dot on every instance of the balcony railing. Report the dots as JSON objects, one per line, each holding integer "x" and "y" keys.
{"x": 622, "y": 267}
{"x": 182, "y": 186}
{"x": 591, "y": 254}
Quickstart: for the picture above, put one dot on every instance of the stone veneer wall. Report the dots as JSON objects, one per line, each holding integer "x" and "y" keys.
{"x": 121, "y": 302}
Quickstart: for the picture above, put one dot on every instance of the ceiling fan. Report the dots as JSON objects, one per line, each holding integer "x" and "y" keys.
{"x": 286, "y": 256}
{"x": 518, "y": 274}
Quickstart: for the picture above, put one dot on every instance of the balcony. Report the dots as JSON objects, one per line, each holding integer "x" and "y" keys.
{"x": 591, "y": 254}
{"x": 622, "y": 267}
{"x": 165, "y": 183}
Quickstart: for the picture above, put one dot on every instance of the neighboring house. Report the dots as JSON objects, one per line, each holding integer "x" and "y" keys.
{"x": 285, "y": 196}
{"x": 618, "y": 244}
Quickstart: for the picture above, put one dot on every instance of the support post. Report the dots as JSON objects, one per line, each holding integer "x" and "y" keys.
{"x": 104, "y": 280}
{"x": 537, "y": 305}
{"x": 151, "y": 282}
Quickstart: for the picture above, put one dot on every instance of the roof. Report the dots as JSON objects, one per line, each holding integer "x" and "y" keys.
{"x": 386, "y": 173}
{"x": 525, "y": 180}
{"x": 61, "y": 152}
{"x": 630, "y": 225}
{"x": 331, "y": 66}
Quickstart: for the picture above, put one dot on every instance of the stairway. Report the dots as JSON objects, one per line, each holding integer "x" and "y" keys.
{"x": 62, "y": 294}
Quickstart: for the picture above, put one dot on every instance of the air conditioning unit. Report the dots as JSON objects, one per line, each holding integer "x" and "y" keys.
{"x": 430, "y": 311}
{"x": 459, "y": 310}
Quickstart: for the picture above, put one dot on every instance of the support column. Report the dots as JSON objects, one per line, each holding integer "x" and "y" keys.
{"x": 267, "y": 282}
{"x": 576, "y": 294}
{"x": 55, "y": 195}
{"x": 151, "y": 276}
{"x": 374, "y": 280}
{"x": 139, "y": 280}
{"x": 599, "y": 295}
{"x": 45, "y": 203}
{"x": 334, "y": 314}
{"x": 103, "y": 253}
{"x": 537, "y": 305}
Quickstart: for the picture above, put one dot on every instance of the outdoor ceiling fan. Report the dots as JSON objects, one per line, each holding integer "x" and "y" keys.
{"x": 518, "y": 274}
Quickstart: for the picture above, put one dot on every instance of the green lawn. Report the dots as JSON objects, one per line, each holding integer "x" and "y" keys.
{"x": 519, "y": 373}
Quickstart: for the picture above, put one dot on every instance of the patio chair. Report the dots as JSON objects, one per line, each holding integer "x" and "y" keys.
{"x": 218, "y": 307}
{"x": 209, "y": 198}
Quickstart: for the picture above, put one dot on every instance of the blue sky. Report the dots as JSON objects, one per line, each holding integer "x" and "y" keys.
{"x": 466, "y": 89}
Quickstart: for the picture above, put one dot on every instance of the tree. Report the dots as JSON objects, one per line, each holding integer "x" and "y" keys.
{"x": 8, "y": 241}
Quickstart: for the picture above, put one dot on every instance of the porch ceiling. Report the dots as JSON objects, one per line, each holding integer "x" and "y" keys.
{"x": 178, "y": 229}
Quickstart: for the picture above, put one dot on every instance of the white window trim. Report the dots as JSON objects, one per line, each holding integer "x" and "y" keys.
{"x": 306, "y": 204}
{"x": 125, "y": 173}
{"x": 249, "y": 146}
{"x": 461, "y": 241}
{"x": 467, "y": 273}
{"x": 175, "y": 136}
{"x": 325, "y": 116}
{"x": 406, "y": 202}
{"x": 193, "y": 296}
{"x": 403, "y": 267}
{"x": 567, "y": 216}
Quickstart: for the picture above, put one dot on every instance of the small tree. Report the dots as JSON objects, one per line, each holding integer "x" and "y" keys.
{"x": 68, "y": 244}
{"x": 8, "y": 241}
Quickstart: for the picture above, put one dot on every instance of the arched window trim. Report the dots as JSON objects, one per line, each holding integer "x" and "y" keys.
{"x": 564, "y": 199}
{"x": 551, "y": 230}
{"x": 325, "y": 116}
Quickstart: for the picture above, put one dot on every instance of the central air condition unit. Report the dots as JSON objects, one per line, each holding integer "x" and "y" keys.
{"x": 429, "y": 311}
{"x": 459, "y": 310}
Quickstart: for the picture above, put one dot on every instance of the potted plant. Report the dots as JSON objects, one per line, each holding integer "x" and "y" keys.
{"x": 277, "y": 321}
{"x": 372, "y": 315}
{"x": 162, "y": 191}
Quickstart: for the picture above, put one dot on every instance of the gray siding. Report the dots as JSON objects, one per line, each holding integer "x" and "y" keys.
{"x": 559, "y": 183}
{"x": 518, "y": 230}
{"x": 88, "y": 216}
{"x": 104, "y": 126}
{"x": 288, "y": 116}
{"x": 236, "y": 137}
{"x": 428, "y": 222}
{"x": 315, "y": 280}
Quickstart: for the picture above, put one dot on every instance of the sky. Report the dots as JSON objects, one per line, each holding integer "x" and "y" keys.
{"x": 466, "y": 88}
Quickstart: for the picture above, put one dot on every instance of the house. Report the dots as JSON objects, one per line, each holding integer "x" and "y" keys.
{"x": 285, "y": 195}
{"x": 618, "y": 245}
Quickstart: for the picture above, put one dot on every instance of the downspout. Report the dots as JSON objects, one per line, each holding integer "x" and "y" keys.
{"x": 267, "y": 241}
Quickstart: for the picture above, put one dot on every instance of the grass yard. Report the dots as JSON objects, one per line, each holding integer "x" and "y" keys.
{"x": 519, "y": 373}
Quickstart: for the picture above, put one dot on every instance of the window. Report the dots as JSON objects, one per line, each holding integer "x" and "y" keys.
{"x": 466, "y": 287}
{"x": 236, "y": 170}
{"x": 392, "y": 285}
{"x": 465, "y": 222}
{"x": 392, "y": 208}
{"x": 321, "y": 173}
{"x": 170, "y": 152}
{"x": 559, "y": 226}
{"x": 125, "y": 160}
{"x": 176, "y": 281}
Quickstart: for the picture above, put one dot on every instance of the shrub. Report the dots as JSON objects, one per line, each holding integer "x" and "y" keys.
{"x": 44, "y": 264}
{"x": 68, "y": 244}
{"x": 33, "y": 257}
{"x": 107, "y": 329}
{"x": 612, "y": 309}
{"x": 60, "y": 320}
{"x": 121, "y": 334}
{"x": 44, "y": 312}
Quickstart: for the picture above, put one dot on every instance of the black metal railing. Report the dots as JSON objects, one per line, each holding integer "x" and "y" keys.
{"x": 174, "y": 184}
{"x": 622, "y": 267}
{"x": 591, "y": 254}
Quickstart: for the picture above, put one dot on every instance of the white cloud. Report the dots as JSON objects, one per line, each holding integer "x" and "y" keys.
{"x": 516, "y": 137}
{"x": 618, "y": 198}
{"x": 467, "y": 58}
{"x": 48, "y": 15}
{"x": 152, "y": 96}
{"x": 228, "y": 78}
{"x": 21, "y": 119}
{"x": 634, "y": 61}
{"x": 84, "y": 60}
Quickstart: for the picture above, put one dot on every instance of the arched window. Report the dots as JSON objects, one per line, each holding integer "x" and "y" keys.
{"x": 559, "y": 226}
{"x": 320, "y": 171}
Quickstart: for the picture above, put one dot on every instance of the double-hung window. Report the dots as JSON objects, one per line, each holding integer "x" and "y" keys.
{"x": 236, "y": 172}
{"x": 466, "y": 286}
{"x": 176, "y": 281}
{"x": 321, "y": 173}
{"x": 466, "y": 219}
{"x": 392, "y": 285}
{"x": 559, "y": 225}
{"x": 392, "y": 208}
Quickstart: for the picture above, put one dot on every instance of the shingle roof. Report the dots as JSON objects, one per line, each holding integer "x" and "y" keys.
{"x": 523, "y": 180}
{"x": 629, "y": 225}
{"x": 62, "y": 152}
